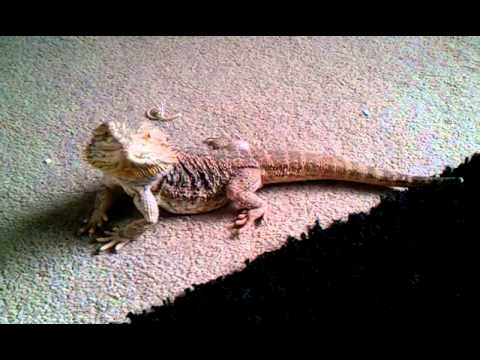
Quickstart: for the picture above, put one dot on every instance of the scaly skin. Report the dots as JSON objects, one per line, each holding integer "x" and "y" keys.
{"x": 155, "y": 174}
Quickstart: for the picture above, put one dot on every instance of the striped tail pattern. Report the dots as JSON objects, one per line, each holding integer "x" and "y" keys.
{"x": 293, "y": 166}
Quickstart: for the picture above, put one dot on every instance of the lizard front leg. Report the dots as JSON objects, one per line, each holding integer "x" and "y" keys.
{"x": 119, "y": 237}
{"x": 241, "y": 191}
{"x": 103, "y": 202}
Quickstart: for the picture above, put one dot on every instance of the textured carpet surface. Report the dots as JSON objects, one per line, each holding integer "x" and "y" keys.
{"x": 408, "y": 104}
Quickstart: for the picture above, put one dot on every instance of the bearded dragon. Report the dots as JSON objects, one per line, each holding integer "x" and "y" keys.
{"x": 158, "y": 175}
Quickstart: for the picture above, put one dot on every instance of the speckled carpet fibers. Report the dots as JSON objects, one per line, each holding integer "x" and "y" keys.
{"x": 395, "y": 261}
{"x": 408, "y": 104}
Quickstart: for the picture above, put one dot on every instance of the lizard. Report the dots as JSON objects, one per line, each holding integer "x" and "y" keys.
{"x": 155, "y": 174}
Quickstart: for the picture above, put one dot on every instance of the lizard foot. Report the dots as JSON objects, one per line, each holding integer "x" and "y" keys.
{"x": 113, "y": 242}
{"x": 96, "y": 221}
{"x": 247, "y": 218}
{"x": 121, "y": 236}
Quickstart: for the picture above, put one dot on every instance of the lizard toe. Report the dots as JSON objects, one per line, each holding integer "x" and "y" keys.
{"x": 114, "y": 245}
{"x": 107, "y": 246}
{"x": 104, "y": 239}
{"x": 113, "y": 242}
{"x": 247, "y": 218}
{"x": 120, "y": 245}
{"x": 242, "y": 215}
{"x": 93, "y": 224}
{"x": 241, "y": 222}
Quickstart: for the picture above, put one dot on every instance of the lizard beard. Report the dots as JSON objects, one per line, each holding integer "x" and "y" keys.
{"x": 140, "y": 153}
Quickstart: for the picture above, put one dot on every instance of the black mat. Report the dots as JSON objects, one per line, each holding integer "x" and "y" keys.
{"x": 412, "y": 255}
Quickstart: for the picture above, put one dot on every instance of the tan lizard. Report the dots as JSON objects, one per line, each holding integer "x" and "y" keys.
{"x": 156, "y": 174}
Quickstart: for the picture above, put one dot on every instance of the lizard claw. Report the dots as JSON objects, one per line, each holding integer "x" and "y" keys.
{"x": 114, "y": 241}
{"x": 96, "y": 222}
{"x": 118, "y": 237}
{"x": 246, "y": 218}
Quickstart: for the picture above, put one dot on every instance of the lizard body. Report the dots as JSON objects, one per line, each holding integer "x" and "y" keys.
{"x": 155, "y": 174}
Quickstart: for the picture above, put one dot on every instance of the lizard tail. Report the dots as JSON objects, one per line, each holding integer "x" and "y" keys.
{"x": 293, "y": 166}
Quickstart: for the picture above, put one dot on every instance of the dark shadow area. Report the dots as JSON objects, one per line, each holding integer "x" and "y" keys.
{"x": 412, "y": 256}
{"x": 58, "y": 226}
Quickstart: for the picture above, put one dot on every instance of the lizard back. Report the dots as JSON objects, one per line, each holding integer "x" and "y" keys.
{"x": 197, "y": 182}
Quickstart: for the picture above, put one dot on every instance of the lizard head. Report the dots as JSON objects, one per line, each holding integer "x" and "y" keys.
{"x": 119, "y": 150}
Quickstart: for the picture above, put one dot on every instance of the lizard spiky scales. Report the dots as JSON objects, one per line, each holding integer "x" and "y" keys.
{"x": 155, "y": 174}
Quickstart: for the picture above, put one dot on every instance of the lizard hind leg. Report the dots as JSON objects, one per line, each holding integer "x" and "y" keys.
{"x": 241, "y": 191}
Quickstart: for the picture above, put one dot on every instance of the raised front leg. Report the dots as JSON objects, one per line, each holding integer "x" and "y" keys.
{"x": 103, "y": 202}
{"x": 120, "y": 236}
{"x": 241, "y": 191}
